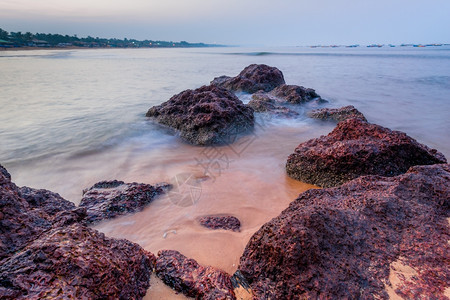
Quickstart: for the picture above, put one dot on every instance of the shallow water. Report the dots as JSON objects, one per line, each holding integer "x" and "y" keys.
{"x": 73, "y": 118}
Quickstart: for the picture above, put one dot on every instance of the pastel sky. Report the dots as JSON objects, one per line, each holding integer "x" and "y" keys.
{"x": 237, "y": 22}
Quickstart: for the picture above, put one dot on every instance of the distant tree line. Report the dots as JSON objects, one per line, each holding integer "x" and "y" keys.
{"x": 19, "y": 39}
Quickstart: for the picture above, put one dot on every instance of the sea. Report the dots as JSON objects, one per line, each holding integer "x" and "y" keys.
{"x": 71, "y": 118}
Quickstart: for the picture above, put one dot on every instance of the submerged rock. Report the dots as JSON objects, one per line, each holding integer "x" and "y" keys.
{"x": 351, "y": 241}
{"x": 46, "y": 251}
{"x": 252, "y": 79}
{"x": 294, "y": 94}
{"x": 337, "y": 114}
{"x": 262, "y": 102}
{"x": 221, "y": 222}
{"x": 76, "y": 262}
{"x": 109, "y": 199}
{"x": 205, "y": 116}
{"x": 356, "y": 148}
{"x": 188, "y": 277}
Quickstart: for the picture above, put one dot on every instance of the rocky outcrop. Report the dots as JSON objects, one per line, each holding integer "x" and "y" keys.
{"x": 46, "y": 251}
{"x": 221, "y": 222}
{"x": 262, "y": 102}
{"x": 76, "y": 262}
{"x": 109, "y": 199}
{"x": 294, "y": 94}
{"x": 348, "y": 242}
{"x": 252, "y": 79}
{"x": 188, "y": 277}
{"x": 356, "y": 148}
{"x": 205, "y": 116}
{"x": 337, "y": 114}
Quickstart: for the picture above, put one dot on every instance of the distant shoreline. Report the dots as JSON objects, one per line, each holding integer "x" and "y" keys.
{"x": 93, "y": 48}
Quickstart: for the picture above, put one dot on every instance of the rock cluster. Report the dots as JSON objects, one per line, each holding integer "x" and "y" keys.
{"x": 46, "y": 251}
{"x": 221, "y": 222}
{"x": 337, "y": 114}
{"x": 205, "y": 116}
{"x": 356, "y": 148}
{"x": 109, "y": 199}
{"x": 347, "y": 242}
{"x": 188, "y": 277}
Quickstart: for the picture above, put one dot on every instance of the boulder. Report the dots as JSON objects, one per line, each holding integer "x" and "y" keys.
{"x": 193, "y": 280}
{"x": 205, "y": 116}
{"x": 371, "y": 238}
{"x": 294, "y": 94}
{"x": 76, "y": 262}
{"x": 356, "y": 148}
{"x": 221, "y": 222}
{"x": 252, "y": 79}
{"x": 46, "y": 251}
{"x": 337, "y": 114}
{"x": 109, "y": 199}
{"x": 262, "y": 102}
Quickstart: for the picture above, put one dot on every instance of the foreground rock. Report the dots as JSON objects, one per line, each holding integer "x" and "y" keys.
{"x": 356, "y": 148}
{"x": 46, "y": 251}
{"x": 221, "y": 222}
{"x": 357, "y": 241}
{"x": 252, "y": 79}
{"x": 205, "y": 116}
{"x": 188, "y": 277}
{"x": 76, "y": 262}
{"x": 109, "y": 199}
{"x": 337, "y": 114}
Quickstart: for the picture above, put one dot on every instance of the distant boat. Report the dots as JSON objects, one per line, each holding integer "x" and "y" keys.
{"x": 375, "y": 46}
{"x": 419, "y": 46}
{"x": 352, "y": 46}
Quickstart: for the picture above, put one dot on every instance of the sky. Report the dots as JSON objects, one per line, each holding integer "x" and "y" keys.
{"x": 237, "y": 22}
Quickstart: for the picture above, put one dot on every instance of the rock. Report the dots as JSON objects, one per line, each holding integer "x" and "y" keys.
{"x": 347, "y": 242}
{"x": 221, "y": 222}
{"x": 205, "y": 116}
{"x": 193, "y": 280}
{"x": 46, "y": 251}
{"x": 262, "y": 102}
{"x": 337, "y": 114}
{"x": 252, "y": 79}
{"x": 294, "y": 94}
{"x": 109, "y": 199}
{"x": 76, "y": 262}
{"x": 27, "y": 213}
{"x": 356, "y": 148}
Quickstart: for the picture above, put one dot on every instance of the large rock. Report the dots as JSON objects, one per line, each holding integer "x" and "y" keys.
{"x": 109, "y": 199}
{"x": 371, "y": 238}
{"x": 337, "y": 114}
{"x": 252, "y": 79}
{"x": 76, "y": 262}
{"x": 205, "y": 116}
{"x": 46, "y": 251}
{"x": 356, "y": 148}
{"x": 294, "y": 94}
{"x": 188, "y": 277}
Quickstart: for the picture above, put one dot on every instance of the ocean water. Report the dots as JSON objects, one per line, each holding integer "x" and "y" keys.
{"x": 70, "y": 118}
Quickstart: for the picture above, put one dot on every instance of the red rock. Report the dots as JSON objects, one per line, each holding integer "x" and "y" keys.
{"x": 342, "y": 243}
{"x": 221, "y": 222}
{"x": 109, "y": 199}
{"x": 205, "y": 116}
{"x": 46, "y": 251}
{"x": 76, "y": 262}
{"x": 252, "y": 79}
{"x": 337, "y": 114}
{"x": 188, "y": 277}
{"x": 355, "y": 148}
